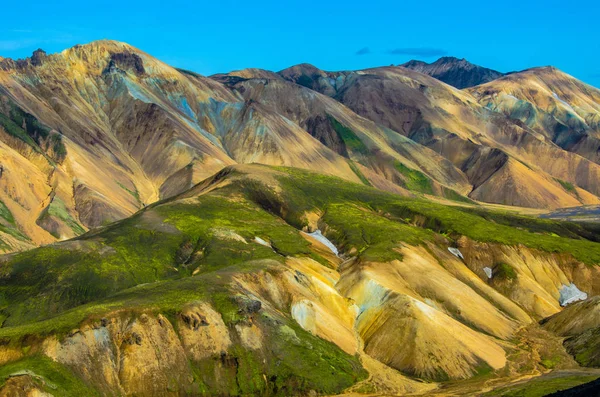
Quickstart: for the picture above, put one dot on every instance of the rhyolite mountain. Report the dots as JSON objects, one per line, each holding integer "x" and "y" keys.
{"x": 459, "y": 73}
{"x": 100, "y": 130}
{"x": 504, "y": 160}
{"x": 300, "y": 232}
{"x": 233, "y": 288}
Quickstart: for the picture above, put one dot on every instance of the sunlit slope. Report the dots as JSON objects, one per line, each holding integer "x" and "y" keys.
{"x": 101, "y": 130}
{"x": 552, "y": 103}
{"x": 378, "y": 152}
{"x": 219, "y": 288}
{"x": 477, "y": 140}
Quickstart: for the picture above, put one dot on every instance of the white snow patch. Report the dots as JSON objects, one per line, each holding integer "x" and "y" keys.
{"x": 570, "y": 294}
{"x": 262, "y": 242}
{"x": 184, "y": 144}
{"x": 456, "y": 252}
{"x": 512, "y": 97}
{"x": 319, "y": 236}
{"x": 559, "y": 99}
{"x": 488, "y": 271}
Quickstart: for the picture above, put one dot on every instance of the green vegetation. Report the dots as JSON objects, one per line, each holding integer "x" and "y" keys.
{"x": 296, "y": 361}
{"x": 542, "y": 386}
{"x": 57, "y": 209}
{"x": 26, "y": 127}
{"x": 134, "y": 193}
{"x": 359, "y": 174}
{"x": 454, "y": 196}
{"x": 13, "y": 231}
{"x": 504, "y": 271}
{"x": 374, "y": 236}
{"x": 6, "y": 214}
{"x": 585, "y": 347}
{"x": 304, "y": 191}
{"x": 49, "y": 376}
{"x": 179, "y": 251}
{"x": 346, "y": 135}
{"x": 13, "y": 129}
{"x": 414, "y": 180}
{"x": 58, "y": 147}
{"x": 551, "y": 362}
{"x": 568, "y": 186}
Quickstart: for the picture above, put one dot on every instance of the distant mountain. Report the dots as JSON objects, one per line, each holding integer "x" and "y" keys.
{"x": 103, "y": 129}
{"x": 554, "y": 104}
{"x": 459, "y": 73}
{"x": 504, "y": 160}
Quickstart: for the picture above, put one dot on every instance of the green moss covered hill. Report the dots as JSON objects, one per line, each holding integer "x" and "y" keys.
{"x": 190, "y": 248}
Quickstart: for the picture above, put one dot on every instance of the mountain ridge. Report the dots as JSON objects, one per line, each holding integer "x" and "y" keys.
{"x": 103, "y": 129}
{"x": 459, "y": 73}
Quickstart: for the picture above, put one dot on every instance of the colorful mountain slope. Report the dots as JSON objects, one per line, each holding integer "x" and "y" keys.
{"x": 488, "y": 147}
{"x": 221, "y": 290}
{"x": 550, "y": 102}
{"x": 101, "y": 130}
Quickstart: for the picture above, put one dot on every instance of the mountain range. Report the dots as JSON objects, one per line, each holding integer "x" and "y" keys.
{"x": 458, "y": 73}
{"x": 301, "y": 232}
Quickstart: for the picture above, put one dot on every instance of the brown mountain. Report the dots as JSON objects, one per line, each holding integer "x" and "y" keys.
{"x": 506, "y": 161}
{"x": 459, "y": 73}
{"x": 552, "y": 103}
{"x": 100, "y": 130}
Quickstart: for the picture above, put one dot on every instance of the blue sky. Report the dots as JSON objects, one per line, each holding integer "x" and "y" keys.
{"x": 219, "y": 36}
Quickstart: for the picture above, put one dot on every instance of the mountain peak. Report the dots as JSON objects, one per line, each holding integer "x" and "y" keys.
{"x": 457, "y": 72}
{"x": 450, "y": 59}
{"x": 301, "y": 69}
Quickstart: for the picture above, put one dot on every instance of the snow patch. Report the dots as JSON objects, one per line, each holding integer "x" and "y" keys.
{"x": 559, "y": 99}
{"x": 317, "y": 235}
{"x": 488, "y": 271}
{"x": 456, "y": 252}
{"x": 570, "y": 293}
{"x": 512, "y": 97}
{"x": 262, "y": 242}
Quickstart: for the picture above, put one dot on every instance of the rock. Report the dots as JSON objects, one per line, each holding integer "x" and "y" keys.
{"x": 194, "y": 320}
{"x": 38, "y": 57}
{"x": 251, "y": 306}
{"x": 133, "y": 339}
